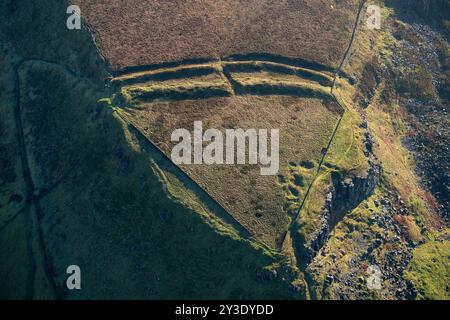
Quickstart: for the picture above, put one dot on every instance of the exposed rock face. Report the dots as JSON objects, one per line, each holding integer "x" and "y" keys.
{"x": 345, "y": 194}
{"x": 424, "y": 99}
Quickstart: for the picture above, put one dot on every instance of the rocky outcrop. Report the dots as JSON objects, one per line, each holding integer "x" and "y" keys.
{"x": 344, "y": 195}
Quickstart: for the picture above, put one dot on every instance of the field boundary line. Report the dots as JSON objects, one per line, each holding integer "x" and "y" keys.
{"x": 338, "y": 71}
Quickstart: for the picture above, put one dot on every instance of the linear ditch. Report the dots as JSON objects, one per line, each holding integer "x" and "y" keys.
{"x": 150, "y": 67}
{"x": 32, "y": 201}
{"x": 278, "y": 68}
{"x": 185, "y": 72}
{"x": 180, "y": 94}
{"x": 297, "y": 62}
{"x": 269, "y": 87}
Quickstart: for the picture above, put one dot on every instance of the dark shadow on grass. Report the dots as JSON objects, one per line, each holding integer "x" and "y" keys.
{"x": 168, "y": 75}
{"x": 150, "y": 67}
{"x": 254, "y": 67}
{"x": 166, "y": 164}
{"x": 183, "y": 94}
{"x": 280, "y": 59}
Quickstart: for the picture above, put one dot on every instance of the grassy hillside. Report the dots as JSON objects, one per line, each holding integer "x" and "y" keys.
{"x": 264, "y": 205}
{"x": 429, "y": 270}
{"x": 94, "y": 198}
{"x": 86, "y": 177}
{"x": 153, "y": 32}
